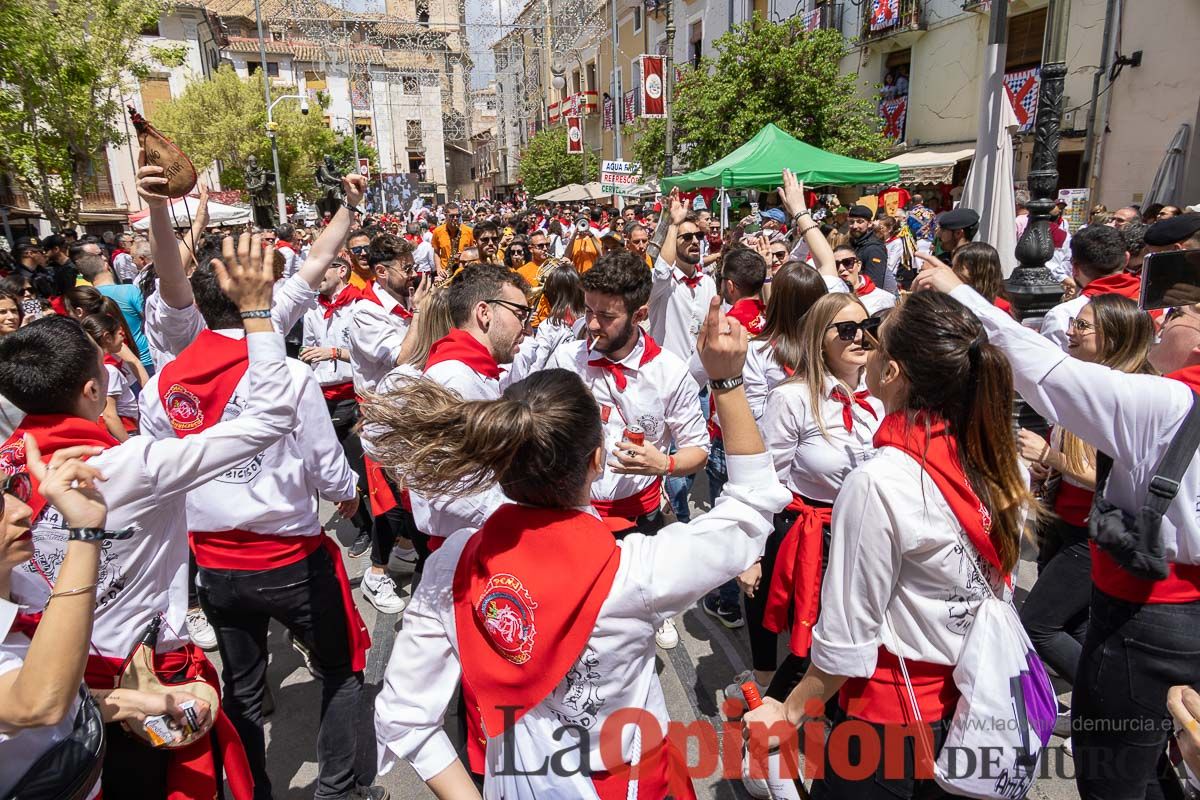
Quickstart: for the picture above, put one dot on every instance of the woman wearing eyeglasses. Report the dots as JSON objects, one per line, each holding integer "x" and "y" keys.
{"x": 818, "y": 425}
{"x": 516, "y": 253}
{"x": 1110, "y": 330}
{"x": 849, "y": 269}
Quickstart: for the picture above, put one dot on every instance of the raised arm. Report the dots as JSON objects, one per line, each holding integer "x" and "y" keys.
{"x": 330, "y": 242}
{"x": 173, "y": 284}
{"x": 793, "y": 200}
{"x": 676, "y": 213}
{"x": 187, "y": 247}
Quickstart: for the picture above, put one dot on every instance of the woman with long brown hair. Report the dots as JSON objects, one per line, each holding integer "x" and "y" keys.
{"x": 978, "y": 265}
{"x": 818, "y": 425}
{"x": 543, "y": 603}
{"x": 943, "y": 493}
{"x": 1110, "y": 330}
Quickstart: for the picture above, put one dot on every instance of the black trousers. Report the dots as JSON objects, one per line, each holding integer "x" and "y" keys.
{"x": 306, "y": 598}
{"x": 398, "y": 523}
{"x": 344, "y": 414}
{"x": 1055, "y": 613}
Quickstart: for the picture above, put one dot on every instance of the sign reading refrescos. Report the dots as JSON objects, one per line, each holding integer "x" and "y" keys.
{"x": 575, "y": 135}
{"x": 654, "y": 90}
{"x": 618, "y": 176}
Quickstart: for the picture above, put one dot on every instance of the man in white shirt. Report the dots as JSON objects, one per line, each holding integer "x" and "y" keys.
{"x": 1099, "y": 258}
{"x": 849, "y": 268}
{"x": 285, "y": 244}
{"x": 424, "y": 258}
{"x": 636, "y": 383}
{"x": 122, "y": 262}
{"x": 259, "y": 545}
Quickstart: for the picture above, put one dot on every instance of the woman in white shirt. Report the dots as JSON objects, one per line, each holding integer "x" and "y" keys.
{"x": 818, "y": 425}
{"x": 546, "y": 617}
{"x": 943, "y": 498}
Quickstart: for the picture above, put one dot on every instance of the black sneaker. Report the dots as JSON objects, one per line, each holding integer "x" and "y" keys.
{"x": 730, "y": 616}
{"x": 361, "y": 545}
{"x": 369, "y": 793}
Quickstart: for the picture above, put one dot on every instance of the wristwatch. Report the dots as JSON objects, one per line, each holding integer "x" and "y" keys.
{"x": 725, "y": 383}
{"x": 96, "y": 534}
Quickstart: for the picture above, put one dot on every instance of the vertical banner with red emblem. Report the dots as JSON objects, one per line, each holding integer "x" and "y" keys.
{"x": 654, "y": 91}
{"x": 575, "y": 135}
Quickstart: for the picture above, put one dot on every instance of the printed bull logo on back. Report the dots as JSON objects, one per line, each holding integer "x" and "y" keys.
{"x": 506, "y": 611}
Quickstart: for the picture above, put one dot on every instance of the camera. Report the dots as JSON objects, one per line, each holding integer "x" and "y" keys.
{"x": 304, "y": 105}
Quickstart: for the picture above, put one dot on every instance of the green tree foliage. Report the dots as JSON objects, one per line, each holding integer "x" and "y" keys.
{"x": 773, "y": 72}
{"x": 546, "y": 164}
{"x": 650, "y": 145}
{"x": 61, "y": 79}
{"x": 224, "y": 119}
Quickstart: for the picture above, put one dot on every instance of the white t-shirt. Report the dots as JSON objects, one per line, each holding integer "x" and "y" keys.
{"x": 677, "y": 310}
{"x": 120, "y": 386}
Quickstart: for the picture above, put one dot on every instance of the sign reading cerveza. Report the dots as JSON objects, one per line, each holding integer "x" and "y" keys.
{"x": 617, "y": 176}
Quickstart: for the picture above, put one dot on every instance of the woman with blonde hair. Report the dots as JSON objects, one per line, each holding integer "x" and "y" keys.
{"x": 818, "y": 425}
{"x": 1110, "y": 330}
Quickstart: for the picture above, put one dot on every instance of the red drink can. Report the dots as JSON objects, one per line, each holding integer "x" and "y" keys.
{"x": 634, "y": 434}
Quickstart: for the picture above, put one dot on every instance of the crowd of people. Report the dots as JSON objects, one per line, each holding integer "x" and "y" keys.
{"x": 513, "y": 401}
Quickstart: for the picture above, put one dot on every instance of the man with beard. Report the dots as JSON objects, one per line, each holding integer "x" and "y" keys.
{"x": 487, "y": 238}
{"x": 450, "y": 238}
{"x": 681, "y": 291}
{"x": 635, "y": 382}
{"x": 869, "y": 248}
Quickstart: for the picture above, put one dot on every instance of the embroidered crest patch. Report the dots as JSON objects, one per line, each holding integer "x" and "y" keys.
{"x": 506, "y": 610}
{"x": 183, "y": 409}
{"x": 12, "y": 458}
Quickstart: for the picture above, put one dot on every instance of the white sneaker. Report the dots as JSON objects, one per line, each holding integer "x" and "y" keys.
{"x": 667, "y": 636}
{"x": 1068, "y": 747}
{"x": 380, "y": 592}
{"x": 734, "y": 690}
{"x": 200, "y": 631}
{"x": 403, "y": 559}
{"x": 755, "y": 787}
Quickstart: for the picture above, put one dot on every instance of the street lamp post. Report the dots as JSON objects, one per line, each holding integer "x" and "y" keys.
{"x": 1031, "y": 287}
{"x": 353, "y": 136}
{"x": 669, "y": 92}
{"x": 271, "y": 126}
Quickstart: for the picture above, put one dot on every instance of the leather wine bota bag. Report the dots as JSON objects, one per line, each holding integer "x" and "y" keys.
{"x": 162, "y": 152}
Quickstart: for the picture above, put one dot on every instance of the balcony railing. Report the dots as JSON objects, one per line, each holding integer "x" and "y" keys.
{"x": 884, "y": 18}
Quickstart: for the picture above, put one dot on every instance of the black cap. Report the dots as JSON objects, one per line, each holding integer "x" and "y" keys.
{"x": 862, "y": 212}
{"x": 1173, "y": 230}
{"x": 957, "y": 219}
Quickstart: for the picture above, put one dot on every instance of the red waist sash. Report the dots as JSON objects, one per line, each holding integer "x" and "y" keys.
{"x": 663, "y": 772}
{"x": 191, "y": 770}
{"x": 883, "y": 697}
{"x": 622, "y": 514}
{"x": 794, "y": 593}
{"x": 1182, "y": 584}
{"x": 383, "y": 499}
{"x": 338, "y": 391}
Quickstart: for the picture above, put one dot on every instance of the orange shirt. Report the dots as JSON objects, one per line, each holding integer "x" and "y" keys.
{"x": 441, "y": 242}
{"x": 584, "y": 254}
{"x": 529, "y": 271}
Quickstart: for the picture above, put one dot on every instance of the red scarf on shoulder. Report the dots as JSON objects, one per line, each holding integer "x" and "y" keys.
{"x": 527, "y": 591}
{"x": 458, "y": 345}
{"x": 346, "y": 296}
{"x": 196, "y": 386}
{"x": 52, "y": 432}
{"x": 937, "y": 454}
{"x": 751, "y": 312}
{"x": 865, "y": 287}
{"x": 1122, "y": 283}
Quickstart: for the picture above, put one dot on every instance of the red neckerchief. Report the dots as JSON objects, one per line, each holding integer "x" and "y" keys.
{"x": 398, "y": 310}
{"x": 346, "y": 296}
{"x": 617, "y": 369}
{"x": 859, "y": 399}
{"x": 1121, "y": 283}
{"x": 1187, "y": 375}
{"x": 458, "y": 345}
{"x": 751, "y": 312}
{"x": 52, "y": 432}
{"x": 112, "y": 360}
{"x": 693, "y": 281}
{"x": 197, "y": 385}
{"x": 1003, "y": 305}
{"x": 1057, "y": 235}
{"x": 865, "y": 286}
{"x": 937, "y": 453}
{"x": 117, "y": 251}
{"x": 527, "y": 591}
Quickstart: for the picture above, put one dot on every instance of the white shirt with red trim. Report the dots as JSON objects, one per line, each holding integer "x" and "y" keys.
{"x": 328, "y": 333}
{"x": 465, "y": 381}
{"x": 170, "y": 330}
{"x": 877, "y": 300}
{"x": 677, "y": 310}
{"x": 376, "y": 336}
{"x": 895, "y": 547}
{"x": 291, "y": 259}
{"x": 120, "y": 386}
{"x": 148, "y": 481}
{"x": 275, "y": 489}
{"x": 660, "y": 396}
{"x": 658, "y": 577}
{"x": 809, "y": 463}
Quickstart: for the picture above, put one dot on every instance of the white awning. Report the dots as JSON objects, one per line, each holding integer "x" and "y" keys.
{"x": 933, "y": 164}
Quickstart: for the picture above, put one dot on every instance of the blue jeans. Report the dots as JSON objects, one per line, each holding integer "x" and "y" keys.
{"x": 1132, "y": 654}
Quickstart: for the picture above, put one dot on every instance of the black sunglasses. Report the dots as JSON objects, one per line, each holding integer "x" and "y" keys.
{"x": 522, "y": 313}
{"x": 847, "y": 263}
{"x": 19, "y": 486}
{"x": 360, "y": 250}
{"x": 848, "y": 331}
{"x": 516, "y": 251}
{"x": 486, "y": 239}
{"x": 687, "y": 237}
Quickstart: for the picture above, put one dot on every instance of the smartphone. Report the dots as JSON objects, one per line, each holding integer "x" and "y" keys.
{"x": 1170, "y": 279}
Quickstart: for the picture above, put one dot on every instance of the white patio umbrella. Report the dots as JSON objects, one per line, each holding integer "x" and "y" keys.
{"x": 183, "y": 210}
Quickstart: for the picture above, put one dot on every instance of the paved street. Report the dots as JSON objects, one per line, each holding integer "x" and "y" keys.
{"x": 693, "y": 676}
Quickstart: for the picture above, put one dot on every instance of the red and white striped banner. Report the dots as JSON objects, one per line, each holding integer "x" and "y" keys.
{"x": 575, "y": 135}
{"x": 884, "y": 14}
{"x": 812, "y": 19}
{"x": 630, "y": 106}
{"x": 574, "y": 105}
{"x": 654, "y": 90}
{"x": 893, "y": 113}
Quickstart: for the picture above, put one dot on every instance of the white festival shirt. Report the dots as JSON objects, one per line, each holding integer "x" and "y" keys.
{"x": 376, "y": 336}
{"x": 677, "y": 310}
{"x": 329, "y": 333}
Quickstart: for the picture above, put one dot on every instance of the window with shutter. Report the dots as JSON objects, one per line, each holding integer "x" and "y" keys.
{"x": 1025, "y": 35}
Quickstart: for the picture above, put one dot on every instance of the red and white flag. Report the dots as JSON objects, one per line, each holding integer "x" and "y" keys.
{"x": 575, "y": 135}
{"x": 654, "y": 90}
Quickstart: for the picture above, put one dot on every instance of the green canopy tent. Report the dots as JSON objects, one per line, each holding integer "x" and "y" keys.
{"x": 759, "y": 164}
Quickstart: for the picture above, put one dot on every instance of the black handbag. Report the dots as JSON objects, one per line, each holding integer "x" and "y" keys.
{"x": 1134, "y": 541}
{"x": 71, "y": 768}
